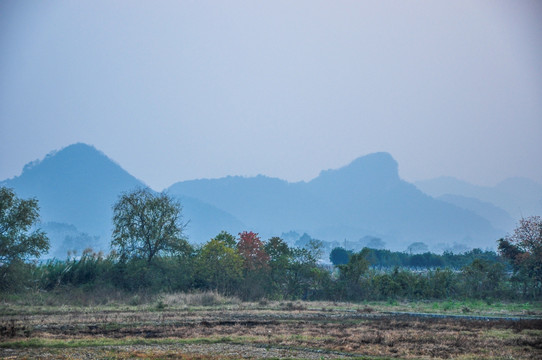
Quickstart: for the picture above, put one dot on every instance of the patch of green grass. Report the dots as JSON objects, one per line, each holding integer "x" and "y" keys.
{"x": 11, "y": 306}
{"x": 352, "y": 358}
{"x": 94, "y": 342}
{"x": 533, "y": 333}
{"x": 303, "y": 338}
{"x": 503, "y": 334}
{"x": 473, "y": 307}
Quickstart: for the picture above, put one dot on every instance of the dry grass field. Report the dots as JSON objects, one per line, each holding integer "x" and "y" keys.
{"x": 173, "y": 328}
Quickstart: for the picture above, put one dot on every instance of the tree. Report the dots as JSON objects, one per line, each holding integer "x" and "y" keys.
{"x": 277, "y": 249}
{"x": 17, "y": 240}
{"x": 252, "y": 250}
{"x": 219, "y": 266}
{"x": 350, "y": 274}
{"x": 280, "y": 257}
{"x": 305, "y": 278}
{"x": 356, "y": 267}
{"x": 17, "y": 217}
{"x": 148, "y": 225}
{"x": 339, "y": 256}
{"x": 483, "y": 279}
{"x": 255, "y": 266}
{"x": 304, "y": 241}
{"x": 524, "y": 249}
{"x": 417, "y": 248}
{"x": 227, "y": 239}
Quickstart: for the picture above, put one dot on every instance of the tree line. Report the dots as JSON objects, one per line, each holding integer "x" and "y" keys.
{"x": 150, "y": 253}
{"x": 386, "y": 259}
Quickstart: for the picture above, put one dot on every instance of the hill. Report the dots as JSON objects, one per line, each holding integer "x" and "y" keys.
{"x": 366, "y": 197}
{"x": 498, "y": 218}
{"x": 519, "y": 197}
{"x": 77, "y": 187}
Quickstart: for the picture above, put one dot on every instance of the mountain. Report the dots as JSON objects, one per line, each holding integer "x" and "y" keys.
{"x": 263, "y": 203}
{"x": 498, "y": 218}
{"x": 366, "y": 197}
{"x": 76, "y": 188}
{"x": 205, "y": 221}
{"x": 78, "y": 185}
{"x": 519, "y": 197}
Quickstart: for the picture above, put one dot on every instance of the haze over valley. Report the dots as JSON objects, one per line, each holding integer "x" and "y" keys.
{"x": 366, "y": 199}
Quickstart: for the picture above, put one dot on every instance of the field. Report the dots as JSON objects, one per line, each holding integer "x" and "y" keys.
{"x": 182, "y": 326}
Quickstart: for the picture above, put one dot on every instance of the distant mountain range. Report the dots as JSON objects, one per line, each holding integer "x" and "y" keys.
{"x": 78, "y": 185}
{"x": 366, "y": 197}
{"x": 503, "y": 204}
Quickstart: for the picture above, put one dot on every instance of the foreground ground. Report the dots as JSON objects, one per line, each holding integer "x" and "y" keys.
{"x": 171, "y": 330}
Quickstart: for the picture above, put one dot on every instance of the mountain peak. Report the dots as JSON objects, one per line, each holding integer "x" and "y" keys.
{"x": 381, "y": 162}
{"x": 80, "y": 153}
{"x": 380, "y": 165}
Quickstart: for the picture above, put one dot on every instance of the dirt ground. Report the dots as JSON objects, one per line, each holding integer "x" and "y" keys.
{"x": 301, "y": 333}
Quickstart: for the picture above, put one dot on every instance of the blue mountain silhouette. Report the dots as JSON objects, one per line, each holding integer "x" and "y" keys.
{"x": 366, "y": 197}
{"x": 78, "y": 186}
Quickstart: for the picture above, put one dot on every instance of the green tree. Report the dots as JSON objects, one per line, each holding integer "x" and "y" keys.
{"x": 226, "y": 238}
{"x": 219, "y": 267}
{"x": 441, "y": 284}
{"x": 148, "y": 225}
{"x": 350, "y": 274}
{"x": 277, "y": 250}
{"x": 18, "y": 242}
{"x": 280, "y": 257}
{"x": 339, "y": 256}
{"x": 305, "y": 277}
{"x": 483, "y": 279}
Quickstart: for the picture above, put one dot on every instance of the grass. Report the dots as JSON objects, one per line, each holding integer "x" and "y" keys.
{"x": 112, "y": 300}
{"x": 325, "y": 328}
{"x": 58, "y": 302}
{"x": 154, "y": 354}
{"x": 95, "y": 342}
{"x": 461, "y": 307}
{"x": 210, "y": 301}
{"x": 469, "y": 308}
{"x": 198, "y": 299}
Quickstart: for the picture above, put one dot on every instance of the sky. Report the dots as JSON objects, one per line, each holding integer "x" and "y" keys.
{"x": 179, "y": 90}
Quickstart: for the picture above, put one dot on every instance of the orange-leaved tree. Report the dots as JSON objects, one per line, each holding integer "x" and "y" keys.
{"x": 255, "y": 266}
{"x": 252, "y": 250}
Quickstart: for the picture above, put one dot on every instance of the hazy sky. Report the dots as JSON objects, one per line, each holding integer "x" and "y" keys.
{"x": 177, "y": 90}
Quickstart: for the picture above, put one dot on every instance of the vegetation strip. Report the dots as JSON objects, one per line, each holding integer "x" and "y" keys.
{"x": 81, "y": 343}
{"x": 73, "y": 343}
{"x": 148, "y": 257}
{"x": 462, "y": 317}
